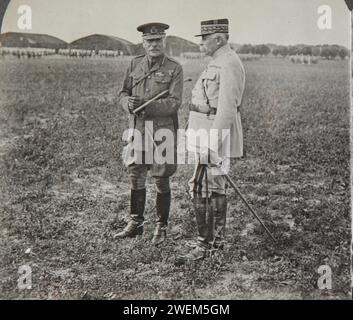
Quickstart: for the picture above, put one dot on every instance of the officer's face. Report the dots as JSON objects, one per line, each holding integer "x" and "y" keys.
{"x": 209, "y": 44}
{"x": 154, "y": 47}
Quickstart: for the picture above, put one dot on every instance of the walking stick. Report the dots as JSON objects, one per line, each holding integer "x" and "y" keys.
{"x": 248, "y": 205}
{"x": 155, "y": 98}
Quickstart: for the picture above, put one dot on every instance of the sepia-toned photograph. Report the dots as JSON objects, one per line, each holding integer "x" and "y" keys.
{"x": 175, "y": 150}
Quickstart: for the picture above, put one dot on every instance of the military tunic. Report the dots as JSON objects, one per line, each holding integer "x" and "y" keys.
{"x": 221, "y": 86}
{"x": 223, "y": 82}
{"x": 147, "y": 82}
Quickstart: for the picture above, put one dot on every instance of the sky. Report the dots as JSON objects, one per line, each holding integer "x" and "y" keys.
{"x": 250, "y": 21}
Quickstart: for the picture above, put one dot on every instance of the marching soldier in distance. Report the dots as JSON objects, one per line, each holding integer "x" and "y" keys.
{"x": 147, "y": 76}
{"x": 216, "y": 99}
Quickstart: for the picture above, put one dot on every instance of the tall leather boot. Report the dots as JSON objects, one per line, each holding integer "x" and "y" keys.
{"x": 219, "y": 208}
{"x": 163, "y": 208}
{"x": 203, "y": 230}
{"x": 137, "y": 208}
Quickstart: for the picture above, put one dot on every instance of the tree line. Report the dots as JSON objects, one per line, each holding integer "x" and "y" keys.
{"x": 324, "y": 51}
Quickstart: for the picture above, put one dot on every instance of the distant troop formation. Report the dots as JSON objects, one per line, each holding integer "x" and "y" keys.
{"x": 304, "y": 59}
{"x": 26, "y": 53}
{"x": 22, "y": 53}
{"x": 81, "y": 53}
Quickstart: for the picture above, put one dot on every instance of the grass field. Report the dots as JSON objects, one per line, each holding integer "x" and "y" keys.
{"x": 65, "y": 192}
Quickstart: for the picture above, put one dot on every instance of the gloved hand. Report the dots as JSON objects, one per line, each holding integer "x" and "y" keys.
{"x": 204, "y": 155}
{"x": 199, "y": 108}
{"x": 134, "y": 102}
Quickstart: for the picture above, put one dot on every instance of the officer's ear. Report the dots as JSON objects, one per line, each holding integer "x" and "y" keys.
{"x": 145, "y": 44}
{"x": 164, "y": 44}
{"x": 222, "y": 39}
{"x": 219, "y": 40}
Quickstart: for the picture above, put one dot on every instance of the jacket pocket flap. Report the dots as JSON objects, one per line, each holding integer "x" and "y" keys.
{"x": 209, "y": 75}
{"x": 163, "y": 79}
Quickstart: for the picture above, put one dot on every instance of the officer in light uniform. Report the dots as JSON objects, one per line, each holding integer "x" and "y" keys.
{"x": 147, "y": 76}
{"x": 216, "y": 99}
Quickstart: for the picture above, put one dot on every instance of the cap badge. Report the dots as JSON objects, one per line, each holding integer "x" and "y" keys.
{"x": 154, "y": 29}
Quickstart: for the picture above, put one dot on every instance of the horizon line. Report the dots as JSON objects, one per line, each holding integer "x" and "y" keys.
{"x": 172, "y": 35}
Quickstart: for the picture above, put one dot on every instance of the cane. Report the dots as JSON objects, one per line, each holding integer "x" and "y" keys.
{"x": 148, "y": 102}
{"x": 155, "y": 98}
{"x": 248, "y": 205}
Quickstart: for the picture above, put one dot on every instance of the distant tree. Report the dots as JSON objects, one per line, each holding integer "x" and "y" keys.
{"x": 261, "y": 49}
{"x": 280, "y": 51}
{"x": 315, "y": 51}
{"x": 329, "y": 52}
{"x": 283, "y": 51}
{"x": 254, "y": 50}
{"x": 275, "y": 52}
{"x": 245, "y": 49}
{"x": 325, "y": 52}
{"x": 306, "y": 50}
{"x": 293, "y": 50}
{"x": 343, "y": 53}
{"x": 264, "y": 50}
{"x": 334, "y": 51}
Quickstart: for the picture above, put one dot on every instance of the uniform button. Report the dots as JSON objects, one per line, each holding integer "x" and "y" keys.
{"x": 147, "y": 90}
{"x": 149, "y": 77}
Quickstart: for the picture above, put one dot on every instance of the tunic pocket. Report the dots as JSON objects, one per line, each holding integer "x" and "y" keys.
{"x": 161, "y": 83}
{"x": 210, "y": 81}
{"x": 210, "y": 75}
{"x": 162, "y": 79}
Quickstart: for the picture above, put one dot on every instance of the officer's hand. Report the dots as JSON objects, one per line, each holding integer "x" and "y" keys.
{"x": 204, "y": 155}
{"x": 209, "y": 157}
{"x": 199, "y": 108}
{"x": 193, "y": 107}
{"x": 134, "y": 102}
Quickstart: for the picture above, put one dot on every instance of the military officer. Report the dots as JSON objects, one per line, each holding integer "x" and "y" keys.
{"x": 147, "y": 76}
{"x": 216, "y": 98}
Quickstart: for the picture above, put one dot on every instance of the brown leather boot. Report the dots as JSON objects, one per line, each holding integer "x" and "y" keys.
{"x": 159, "y": 234}
{"x": 131, "y": 230}
{"x": 219, "y": 208}
{"x": 163, "y": 208}
{"x": 137, "y": 208}
{"x": 200, "y": 251}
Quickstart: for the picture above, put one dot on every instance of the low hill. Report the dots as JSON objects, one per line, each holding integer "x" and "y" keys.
{"x": 31, "y": 40}
{"x": 103, "y": 42}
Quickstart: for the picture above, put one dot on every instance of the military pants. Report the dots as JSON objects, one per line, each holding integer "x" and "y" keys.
{"x": 138, "y": 176}
{"x": 210, "y": 223}
{"x": 217, "y": 183}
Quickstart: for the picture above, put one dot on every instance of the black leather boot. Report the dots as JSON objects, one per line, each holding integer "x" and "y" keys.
{"x": 219, "y": 208}
{"x": 203, "y": 220}
{"x": 163, "y": 208}
{"x": 201, "y": 249}
{"x": 137, "y": 208}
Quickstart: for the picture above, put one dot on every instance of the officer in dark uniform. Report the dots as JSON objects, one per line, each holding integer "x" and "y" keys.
{"x": 147, "y": 76}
